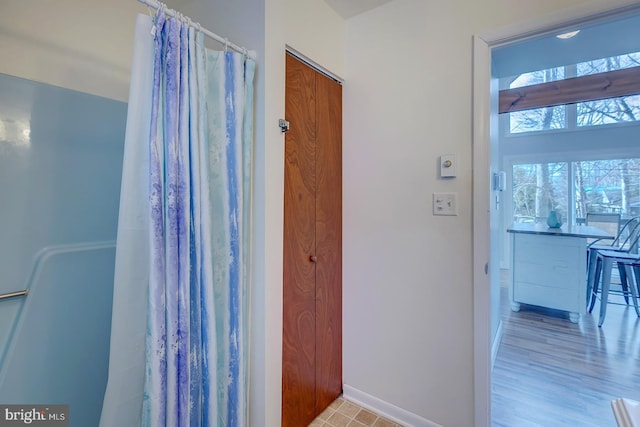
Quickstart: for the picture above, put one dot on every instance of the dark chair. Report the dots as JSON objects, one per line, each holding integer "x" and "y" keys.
{"x": 626, "y": 240}
{"x": 630, "y": 264}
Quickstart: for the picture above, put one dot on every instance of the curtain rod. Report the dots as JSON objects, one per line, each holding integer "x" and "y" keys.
{"x": 156, "y": 5}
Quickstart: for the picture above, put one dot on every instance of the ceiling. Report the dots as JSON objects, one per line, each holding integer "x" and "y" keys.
{"x": 349, "y": 8}
{"x": 596, "y": 40}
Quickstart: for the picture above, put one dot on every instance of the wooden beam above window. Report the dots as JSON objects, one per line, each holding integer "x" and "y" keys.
{"x": 611, "y": 84}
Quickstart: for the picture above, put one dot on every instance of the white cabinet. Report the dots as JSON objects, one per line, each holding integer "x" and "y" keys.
{"x": 550, "y": 267}
{"x": 549, "y": 271}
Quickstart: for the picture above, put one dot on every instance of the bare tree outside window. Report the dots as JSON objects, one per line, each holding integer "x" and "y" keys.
{"x": 612, "y": 110}
{"x": 540, "y": 118}
{"x": 592, "y": 113}
{"x": 609, "y": 186}
{"x": 596, "y": 186}
{"x": 538, "y": 189}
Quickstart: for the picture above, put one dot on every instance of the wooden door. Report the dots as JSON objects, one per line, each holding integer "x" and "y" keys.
{"x": 312, "y": 295}
{"x": 299, "y": 273}
{"x": 328, "y": 241}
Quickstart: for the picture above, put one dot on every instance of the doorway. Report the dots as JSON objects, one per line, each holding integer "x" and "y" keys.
{"x": 483, "y": 198}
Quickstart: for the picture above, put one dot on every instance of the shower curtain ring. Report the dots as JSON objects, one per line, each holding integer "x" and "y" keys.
{"x": 226, "y": 44}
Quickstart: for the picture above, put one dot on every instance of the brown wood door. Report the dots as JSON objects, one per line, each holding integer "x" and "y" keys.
{"x": 312, "y": 296}
{"x": 299, "y": 273}
{"x": 328, "y": 241}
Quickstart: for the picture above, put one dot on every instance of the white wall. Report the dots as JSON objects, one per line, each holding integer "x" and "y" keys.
{"x": 408, "y": 331}
{"x": 84, "y": 45}
{"x": 317, "y": 32}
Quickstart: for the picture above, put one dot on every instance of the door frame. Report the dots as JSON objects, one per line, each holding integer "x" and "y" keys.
{"x": 481, "y": 189}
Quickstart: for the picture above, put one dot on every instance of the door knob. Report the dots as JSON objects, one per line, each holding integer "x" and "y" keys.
{"x": 313, "y": 258}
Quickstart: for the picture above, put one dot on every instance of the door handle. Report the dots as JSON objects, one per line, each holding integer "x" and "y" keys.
{"x": 313, "y": 258}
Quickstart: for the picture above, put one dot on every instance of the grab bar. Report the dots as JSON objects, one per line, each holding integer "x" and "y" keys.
{"x": 39, "y": 260}
{"x": 14, "y": 294}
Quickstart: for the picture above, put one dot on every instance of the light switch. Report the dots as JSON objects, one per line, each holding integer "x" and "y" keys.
{"x": 445, "y": 203}
{"x": 447, "y": 166}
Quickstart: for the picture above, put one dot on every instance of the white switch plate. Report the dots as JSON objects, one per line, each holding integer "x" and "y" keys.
{"x": 445, "y": 203}
{"x": 448, "y": 166}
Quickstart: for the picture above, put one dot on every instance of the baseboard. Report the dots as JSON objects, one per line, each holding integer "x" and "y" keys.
{"x": 495, "y": 346}
{"x": 386, "y": 409}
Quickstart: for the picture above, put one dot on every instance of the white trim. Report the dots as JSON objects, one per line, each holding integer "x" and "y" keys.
{"x": 482, "y": 44}
{"x": 626, "y": 412}
{"x": 481, "y": 237}
{"x": 496, "y": 344}
{"x": 386, "y": 409}
{"x": 313, "y": 64}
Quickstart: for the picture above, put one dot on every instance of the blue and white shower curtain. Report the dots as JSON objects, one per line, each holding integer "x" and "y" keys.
{"x": 190, "y": 114}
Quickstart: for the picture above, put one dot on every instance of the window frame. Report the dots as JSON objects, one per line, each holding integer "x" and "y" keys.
{"x": 571, "y": 110}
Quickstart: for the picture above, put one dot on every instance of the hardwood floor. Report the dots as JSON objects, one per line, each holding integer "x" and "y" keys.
{"x": 551, "y": 372}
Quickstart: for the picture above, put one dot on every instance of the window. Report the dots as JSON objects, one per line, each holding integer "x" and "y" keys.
{"x": 537, "y": 189}
{"x": 613, "y": 110}
{"x": 592, "y": 113}
{"x": 587, "y": 186}
{"x": 547, "y": 118}
{"x": 608, "y": 64}
{"x": 606, "y": 111}
{"x": 607, "y": 186}
{"x": 540, "y": 118}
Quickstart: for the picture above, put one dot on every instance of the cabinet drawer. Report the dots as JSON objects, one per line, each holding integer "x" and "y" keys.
{"x": 548, "y": 249}
{"x": 551, "y": 297}
{"x": 556, "y": 273}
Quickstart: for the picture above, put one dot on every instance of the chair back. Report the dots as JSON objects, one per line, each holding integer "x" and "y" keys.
{"x": 631, "y": 229}
{"x": 609, "y": 222}
{"x": 626, "y": 230}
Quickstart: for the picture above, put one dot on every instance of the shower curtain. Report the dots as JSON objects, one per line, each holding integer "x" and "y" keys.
{"x": 179, "y": 324}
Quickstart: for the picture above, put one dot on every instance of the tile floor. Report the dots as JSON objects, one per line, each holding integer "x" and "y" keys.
{"x": 343, "y": 413}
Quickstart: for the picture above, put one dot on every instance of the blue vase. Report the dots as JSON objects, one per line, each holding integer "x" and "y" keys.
{"x": 553, "y": 220}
